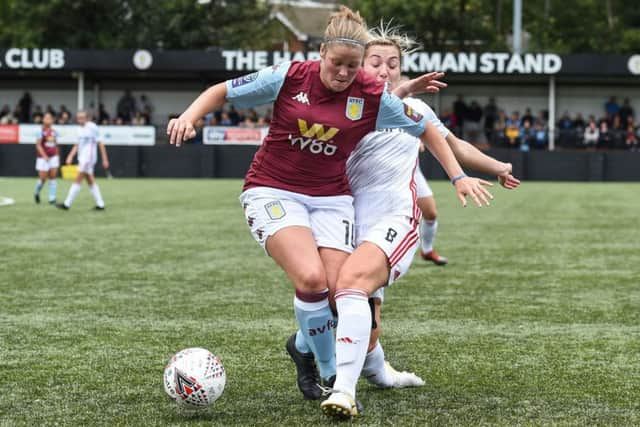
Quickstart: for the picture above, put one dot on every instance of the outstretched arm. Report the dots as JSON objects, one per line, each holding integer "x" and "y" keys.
{"x": 465, "y": 186}
{"x": 182, "y": 128}
{"x": 472, "y": 158}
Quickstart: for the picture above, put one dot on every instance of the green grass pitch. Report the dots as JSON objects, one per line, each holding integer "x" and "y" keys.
{"x": 536, "y": 321}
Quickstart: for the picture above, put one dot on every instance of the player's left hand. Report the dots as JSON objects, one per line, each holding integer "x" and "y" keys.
{"x": 475, "y": 189}
{"x": 105, "y": 164}
{"x": 426, "y": 83}
{"x": 507, "y": 180}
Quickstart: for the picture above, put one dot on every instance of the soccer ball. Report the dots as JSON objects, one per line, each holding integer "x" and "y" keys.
{"x": 194, "y": 378}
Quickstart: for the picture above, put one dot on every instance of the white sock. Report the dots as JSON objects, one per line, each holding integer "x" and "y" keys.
{"x": 428, "y": 231}
{"x": 352, "y": 338}
{"x": 73, "y": 192}
{"x": 374, "y": 370}
{"x": 95, "y": 190}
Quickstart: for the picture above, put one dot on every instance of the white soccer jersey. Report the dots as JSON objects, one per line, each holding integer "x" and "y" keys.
{"x": 88, "y": 143}
{"x": 381, "y": 170}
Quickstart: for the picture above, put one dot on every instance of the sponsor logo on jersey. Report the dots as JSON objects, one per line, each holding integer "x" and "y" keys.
{"x": 412, "y": 114}
{"x": 244, "y": 80}
{"x": 275, "y": 210}
{"x": 354, "y": 108}
{"x": 301, "y": 98}
{"x": 316, "y": 138}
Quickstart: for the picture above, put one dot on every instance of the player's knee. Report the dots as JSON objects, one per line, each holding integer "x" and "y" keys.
{"x": 312, "y": 280}
{"x": 353, "y": 278}
{"x": 430, "y": 214}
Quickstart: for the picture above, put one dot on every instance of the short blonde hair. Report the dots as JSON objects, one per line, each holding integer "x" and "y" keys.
{"x": 389, "y": 35}
{"x": 347, "y": 26}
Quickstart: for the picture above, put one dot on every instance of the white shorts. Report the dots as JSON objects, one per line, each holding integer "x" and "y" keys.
{"x": 422, "y": 187}
{"x": 43, "y": 165}
{"x": 330, "y": 218}
{"x": 86, "y": 166}
{"x": 398, "y": 237}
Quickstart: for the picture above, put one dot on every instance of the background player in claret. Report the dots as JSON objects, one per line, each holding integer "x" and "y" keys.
{"x": 381, "y": 173}
{"x": 48, "y": 158}
{"x": 296, "y": 195}
{"x": 87, "y": 150}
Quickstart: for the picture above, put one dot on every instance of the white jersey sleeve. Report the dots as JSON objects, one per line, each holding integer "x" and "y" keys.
{"x": 394, "y": 114}
{"x": 422, "y": 108}
{"x": 257, "y": 88}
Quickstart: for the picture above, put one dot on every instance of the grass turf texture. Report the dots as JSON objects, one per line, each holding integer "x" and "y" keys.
{"x": 534, "y": 322}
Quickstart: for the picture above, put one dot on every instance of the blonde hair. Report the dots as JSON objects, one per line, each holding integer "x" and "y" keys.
{"x": 388, "y": 35}
{"x": 347, "y": 26}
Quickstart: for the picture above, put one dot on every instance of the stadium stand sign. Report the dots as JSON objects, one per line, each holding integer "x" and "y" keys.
{"x": 218, "y": 60}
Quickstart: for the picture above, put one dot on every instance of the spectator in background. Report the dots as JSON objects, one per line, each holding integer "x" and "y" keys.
{"x": 591, "y": 135}
{"x": 25, "y": 104}
{"x": 499, "y": 129}
{"x": 64, "y": 118}
{"x": 611, "y": 107}
{"x": 37, "y": 111}
{"x": 512, "y": 131}
{"x": 5, "y": 111}
{"x": 605, "y": 139}
{"x": 626, "y": 111}
{"x": 490, "y": 116}
{"x": 540, "y": 136}
{"x": 225, "y": 119}
{"x": 8, "y": 117}
{"x": 472, "y": 120}
{"x": 126, "y": 106}
{"x": 103, "y": 115}
{"x": 233, "y": 116}
{"x": 631, "y": 138}
{"x": 51, "y": 111}
{"x": 579, "y": 124}
{"x": 460, "y": 110}
{"x": 565, "y": 122}
{"x": 146, "y": 108}
{"x": 63, "y": 109}
{"x": 527, "y": 136}
{"x": 138, "y": 119}
{"x": 528, "y": 116}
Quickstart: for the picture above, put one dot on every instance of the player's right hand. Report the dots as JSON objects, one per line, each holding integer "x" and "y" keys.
{"x": 474, "y": 188}
{"x": 179, "y": 130}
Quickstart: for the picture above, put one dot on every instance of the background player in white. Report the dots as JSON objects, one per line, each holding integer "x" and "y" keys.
{"x": 48, "y": 158}
{"x": 87, "y": 149}
{"x": 381, "y": 174}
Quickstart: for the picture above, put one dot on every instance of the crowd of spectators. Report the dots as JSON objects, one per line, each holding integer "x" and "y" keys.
{"x": 129, "y": 111}
{"x": 491, "y": 126}
{"x": 485, "y": 126}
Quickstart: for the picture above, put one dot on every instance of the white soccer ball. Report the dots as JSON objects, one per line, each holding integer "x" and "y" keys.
{"x": 194, "y": 378}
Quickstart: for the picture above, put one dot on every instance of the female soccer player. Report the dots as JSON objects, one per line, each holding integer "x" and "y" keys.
{"x": 87, "y": 149}
{"x": 387, "y": 218}
{"x": 296, "y": 195}
{"x": 48, "y": 160}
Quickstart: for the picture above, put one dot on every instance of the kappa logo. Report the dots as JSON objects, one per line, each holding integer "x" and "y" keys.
{"x": 301, "y": 98}
{"x": 354, "y": 108}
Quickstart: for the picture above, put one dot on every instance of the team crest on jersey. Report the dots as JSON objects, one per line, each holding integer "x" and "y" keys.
{"x": 354, "y": 108}
{"x": 244, "y": 80}
{"x": 275, "y": 210}
{"x": 412, "y": 114}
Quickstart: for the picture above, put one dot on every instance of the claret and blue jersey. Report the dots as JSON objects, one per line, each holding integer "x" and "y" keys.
{"x": 313, "y": 129}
